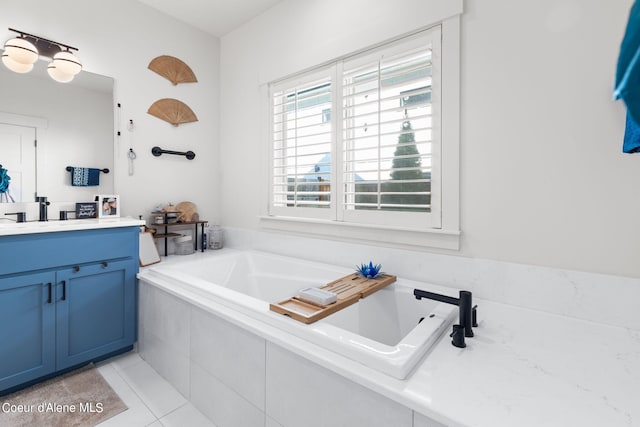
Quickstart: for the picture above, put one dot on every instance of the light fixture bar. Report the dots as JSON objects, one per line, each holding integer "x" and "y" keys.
{"x": 37, "y": 39}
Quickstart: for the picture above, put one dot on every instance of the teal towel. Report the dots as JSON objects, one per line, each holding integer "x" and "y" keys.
{"x": 631, "y": 136}
{"x": 4, "y": 180}
{"x": 627, "y": 85}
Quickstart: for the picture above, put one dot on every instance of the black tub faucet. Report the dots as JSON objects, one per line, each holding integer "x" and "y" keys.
{"x": 465, "y": 308}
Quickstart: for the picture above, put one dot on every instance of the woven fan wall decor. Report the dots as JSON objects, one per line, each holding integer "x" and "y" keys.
{"x": 172, "y": 69}
{"x": 172, "y": 111}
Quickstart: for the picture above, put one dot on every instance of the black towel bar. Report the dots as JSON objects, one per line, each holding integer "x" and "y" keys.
{"x": 105, "y": 170}
{"x": 157, "y": 151}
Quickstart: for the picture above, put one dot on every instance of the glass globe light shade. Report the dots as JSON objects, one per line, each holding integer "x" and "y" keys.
{"x": 56, "y": 74}
{"x": 67, "y": 63}
{"x": 21, "y": 50}
{"x": 15, "y": 66}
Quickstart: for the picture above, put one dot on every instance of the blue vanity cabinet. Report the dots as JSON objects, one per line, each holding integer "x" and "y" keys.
{"x": 95, "y": 310}
{"x": 66, "y": 298}
{"x": 27, "y": 328}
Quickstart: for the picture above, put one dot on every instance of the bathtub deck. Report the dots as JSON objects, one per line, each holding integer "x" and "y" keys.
{"x": 349, "y": 290}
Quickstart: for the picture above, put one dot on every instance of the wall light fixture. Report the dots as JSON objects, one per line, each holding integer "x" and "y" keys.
{"x": 20, "y": 53}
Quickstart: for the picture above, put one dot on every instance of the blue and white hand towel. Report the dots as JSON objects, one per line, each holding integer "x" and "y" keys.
{"x": 84, "y": 177}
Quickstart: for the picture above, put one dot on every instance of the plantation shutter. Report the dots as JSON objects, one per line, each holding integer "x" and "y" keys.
{"x": 302, "y": 145}
{"x": 390, "y": 133}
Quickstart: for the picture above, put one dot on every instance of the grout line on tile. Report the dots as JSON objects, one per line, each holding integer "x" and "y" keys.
{"x": 231, "y": 389}
{"x": 131, "y": 354}
{"x": 133, "y": 390}
{"x": 264, "y": 403}
{"x": 169, "y": 413}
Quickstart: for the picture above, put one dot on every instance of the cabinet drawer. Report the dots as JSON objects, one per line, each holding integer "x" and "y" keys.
{"x": 52, "y": 250}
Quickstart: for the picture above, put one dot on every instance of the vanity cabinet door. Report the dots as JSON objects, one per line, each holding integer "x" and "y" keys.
{"x": 27, "y": 331}
{"x": 95, "y": 310}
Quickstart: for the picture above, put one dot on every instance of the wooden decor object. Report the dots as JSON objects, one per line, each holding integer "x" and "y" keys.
{"x": 349, "y": 290}
{"x": 172, "y": 111}
{"x": 172, "y": 69}
{"x": 186, "y": 211}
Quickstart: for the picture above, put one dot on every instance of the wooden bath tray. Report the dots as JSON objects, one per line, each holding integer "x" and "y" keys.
{"x": 349, "y": 290}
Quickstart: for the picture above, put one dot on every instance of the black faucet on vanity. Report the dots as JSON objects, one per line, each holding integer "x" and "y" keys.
{"x": 466, "y": 309}
{"x": 42, "y": 206}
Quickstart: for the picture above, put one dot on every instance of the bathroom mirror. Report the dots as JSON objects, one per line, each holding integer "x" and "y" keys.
{"x": 73, "y": 123}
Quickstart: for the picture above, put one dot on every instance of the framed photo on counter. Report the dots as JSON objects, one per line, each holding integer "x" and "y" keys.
{"x": 108, "y": 205}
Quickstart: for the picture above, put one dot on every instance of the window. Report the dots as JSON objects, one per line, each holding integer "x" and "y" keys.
{"x": 359, "y": 141}
{"x": 303, "y": 143}
{"x": 390, "y": 134}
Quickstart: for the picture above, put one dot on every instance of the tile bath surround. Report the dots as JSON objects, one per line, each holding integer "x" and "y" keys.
{"x": 541, "y": 365}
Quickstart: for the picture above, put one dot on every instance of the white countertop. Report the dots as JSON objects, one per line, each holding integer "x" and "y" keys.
{"x": 523, "y": 368}
{"x": 12, "y": 228}
{"x": 528, "y": 368}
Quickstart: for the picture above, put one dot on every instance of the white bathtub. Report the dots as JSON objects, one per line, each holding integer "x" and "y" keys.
{"x": 382, "y": 331}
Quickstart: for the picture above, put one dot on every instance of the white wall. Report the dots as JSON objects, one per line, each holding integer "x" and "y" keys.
{"x": 119, "y": 38}
{"x": 543, "y": 179}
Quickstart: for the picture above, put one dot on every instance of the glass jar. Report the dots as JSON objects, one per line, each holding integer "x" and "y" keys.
{"x": 215, "y": 237}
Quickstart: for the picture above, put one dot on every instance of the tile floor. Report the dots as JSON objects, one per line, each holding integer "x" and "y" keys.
{"x": 152, "y": 401}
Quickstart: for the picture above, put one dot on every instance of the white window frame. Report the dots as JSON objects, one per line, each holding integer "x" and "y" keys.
{"x": 446, "y": 234}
